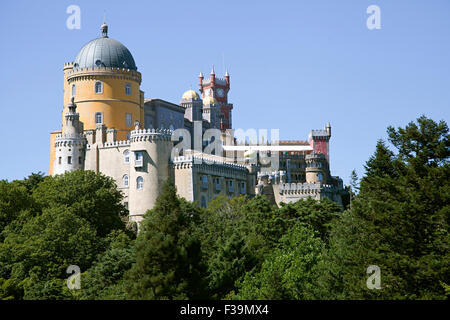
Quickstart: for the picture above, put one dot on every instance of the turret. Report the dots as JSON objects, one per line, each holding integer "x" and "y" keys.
{"x": 70, "y": 144}
{"x": 317, "y": 169}
{"x": 149, "y": 168}
{"x": 319, "y": 141}
{"x": 192, "y": 104}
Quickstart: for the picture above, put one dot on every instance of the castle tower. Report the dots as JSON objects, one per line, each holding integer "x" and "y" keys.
{"x": 319, "y": 140}
{"x": 211, "y": 111}
{"x": 192, "y": 104}
{"x": 317, "y": 169}
{"x": 105, "y": 83}
{"x": 149, "y": 168}
{"x": 218, "y": 89}
{"x": 70, "y": 145}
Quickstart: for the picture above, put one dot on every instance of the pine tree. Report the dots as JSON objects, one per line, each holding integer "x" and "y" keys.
{"x": 168, "y": 255}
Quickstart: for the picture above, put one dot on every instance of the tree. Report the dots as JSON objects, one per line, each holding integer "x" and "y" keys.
{"x": 399, "y": 221}
{"x": 45, "y": 246}
{"x": 167, "y": 253}
{"x": 104, "y": 280}
{"x": 91, "y": 196}
{"x": 14, "y": 200}
{"x": 289, "y": 272}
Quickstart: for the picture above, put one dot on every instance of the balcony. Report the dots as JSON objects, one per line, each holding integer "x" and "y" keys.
{"x": 138, "y": 163}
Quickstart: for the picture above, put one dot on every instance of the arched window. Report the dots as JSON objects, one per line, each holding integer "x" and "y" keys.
{"x": 125, "y": 180}
{"x": 139, "y": 183}
{"x": 128, "y": 89}
{"x": 126, "y": 155}
{"x": 98, "y": 87}
{"x": 74, "y": 90}
{"x": 98, "y": 117}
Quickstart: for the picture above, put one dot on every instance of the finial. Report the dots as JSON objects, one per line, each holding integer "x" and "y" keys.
{"x": 201, "y": 75}
{"x": 212, "y": 71}
{"x": 226, "y": 73}
{"x": 104, "y": 29}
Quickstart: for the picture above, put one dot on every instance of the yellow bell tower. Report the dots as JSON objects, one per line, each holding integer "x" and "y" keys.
{"x": 105, "y": 84}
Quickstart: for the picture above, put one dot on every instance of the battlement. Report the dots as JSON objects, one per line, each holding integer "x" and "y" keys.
{"x": 192, "y": 159}
{"x": 314, "y": 157}
{"x": 62, "y": 136}
{"x": 75, "y": 73}
{"x": 150, "y": 134}
{"x": 302, "y": 188}
{"x": 122, "y": 143}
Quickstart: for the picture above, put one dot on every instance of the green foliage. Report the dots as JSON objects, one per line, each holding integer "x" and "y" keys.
{"x": 289, "y": 273}
{"x": 104, "y": 280}
{"x": 399, "y": 221}
{"x": 237, "y": 248}
{"x": 91, "y": 196}
{"x": 167, "y": 254}
{"x": 14, "y": 199}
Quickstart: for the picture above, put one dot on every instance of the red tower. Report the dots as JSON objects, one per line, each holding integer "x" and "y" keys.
{"x": 218, "y": 88}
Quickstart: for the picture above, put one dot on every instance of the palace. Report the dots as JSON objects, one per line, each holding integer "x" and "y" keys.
{"x": 109, "y": 127}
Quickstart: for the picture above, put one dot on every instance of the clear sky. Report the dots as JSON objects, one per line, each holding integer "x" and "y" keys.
{"x": 294, "y": 65}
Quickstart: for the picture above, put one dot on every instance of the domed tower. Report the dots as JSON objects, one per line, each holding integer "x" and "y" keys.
{"x": 151, "y": 150}
{"x": 105, "y": 82}
{"x": 70, "y": 144}
{"x": 192, "y": 104}
{"x": 211, "y": 111}
{"x": 317, "y": 169}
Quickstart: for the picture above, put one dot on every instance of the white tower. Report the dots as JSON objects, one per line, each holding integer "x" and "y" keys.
{"x": 149, "y": 168}
{"x": 70, "y": 144}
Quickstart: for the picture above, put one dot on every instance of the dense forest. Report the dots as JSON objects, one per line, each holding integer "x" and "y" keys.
{"x": 238, "y": 248}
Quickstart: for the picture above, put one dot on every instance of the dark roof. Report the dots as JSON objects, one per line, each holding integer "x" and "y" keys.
{"x": 104, "y": 52}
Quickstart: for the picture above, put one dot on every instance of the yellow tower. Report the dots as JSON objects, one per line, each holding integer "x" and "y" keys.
{"x": 105, "y": 84}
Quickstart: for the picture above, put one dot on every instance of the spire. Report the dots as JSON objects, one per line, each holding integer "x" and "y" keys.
{"x": 212, "y": 71}
{"x": 226, "y": 73}
{"x": 201, "y": 75}
{"x": 104, "y": 29}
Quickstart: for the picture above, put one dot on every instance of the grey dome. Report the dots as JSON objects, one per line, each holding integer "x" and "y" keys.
{"x": 104, "y": 52}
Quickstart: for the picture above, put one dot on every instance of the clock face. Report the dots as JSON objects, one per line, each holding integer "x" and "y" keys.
{"x": 220, "y": 93}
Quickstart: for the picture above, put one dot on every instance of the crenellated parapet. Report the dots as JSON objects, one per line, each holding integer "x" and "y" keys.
{"x": 150, "y": 135}
{"x": 98, "y": 72}
{"x": 206, "y": 163}
{"x": 68, "y": 140}
{"x": 115, "y": 144}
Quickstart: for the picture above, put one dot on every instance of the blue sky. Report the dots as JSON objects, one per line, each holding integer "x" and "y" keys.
{"x": 294, "y": 65}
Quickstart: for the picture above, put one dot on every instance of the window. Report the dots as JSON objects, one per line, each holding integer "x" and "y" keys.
{"x": 138, "y": 160}
{"x": 230, "y": 186}
{"x": 217, "y": 183}
{"x": 98, "y": 87}
{"x": 204, "y": 180}
{"x": 320, "y": 176}
{"x": 69, "y": 160}
{"x": 98, "y": 117}
{"x": 140, "y": 183}
{"x": 80, "y": 161}
{"x": 74, "y": 90}
{"x": 171, "y": 128}
{"x": 125, "y": 180}
{"x": 128, "y": 89}
{"x": 243, "y": 187}
{"x": 128, "y": 119}
{"x": 126, "y": 155}
{"x": 59, "y": 160}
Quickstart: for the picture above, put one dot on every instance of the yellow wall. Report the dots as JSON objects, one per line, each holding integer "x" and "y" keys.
{"x": 52, "y": 150}
{"x": 113, "y": 102}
